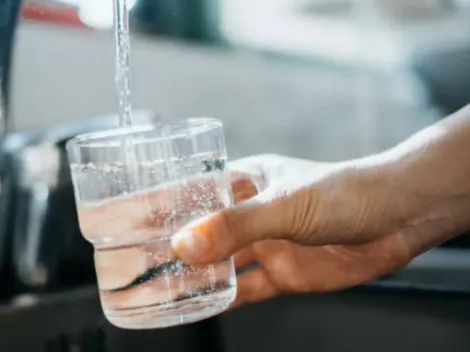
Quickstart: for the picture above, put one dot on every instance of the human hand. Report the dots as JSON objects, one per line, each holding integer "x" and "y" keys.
{"x": 315, "y": 226}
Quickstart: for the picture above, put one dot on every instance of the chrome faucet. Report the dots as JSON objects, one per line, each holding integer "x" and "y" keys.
{"x": 9, "y": 12}
{"x": 40, "y": 242}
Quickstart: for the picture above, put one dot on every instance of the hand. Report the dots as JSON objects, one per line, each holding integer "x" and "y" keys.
{"x": 315, "y": 226}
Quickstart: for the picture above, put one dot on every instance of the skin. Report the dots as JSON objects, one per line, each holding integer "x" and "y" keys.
{"x": 313, "y": 227}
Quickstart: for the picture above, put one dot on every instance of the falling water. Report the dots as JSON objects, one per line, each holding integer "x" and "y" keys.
{"x": 123, "y": 51}
{"x": 122, "y": 38}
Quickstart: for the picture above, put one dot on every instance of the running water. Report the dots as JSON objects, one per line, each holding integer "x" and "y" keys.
{"x": 123, "y": 51}
{"x": 142, "y": 283}
{"x": 122, "y": 38}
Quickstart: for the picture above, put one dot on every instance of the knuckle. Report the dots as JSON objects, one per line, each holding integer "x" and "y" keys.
{"x": 299, "y": 216}
{"x": 232, "y": 227}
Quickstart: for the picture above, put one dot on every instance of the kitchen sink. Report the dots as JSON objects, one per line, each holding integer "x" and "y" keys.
{"x": 382, "y": 320}
{"x": 408, "y": 311}
{"x": 424, "y": 307}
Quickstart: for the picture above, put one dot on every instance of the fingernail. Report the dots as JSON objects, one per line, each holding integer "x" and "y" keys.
{"x": 190, "y": 245}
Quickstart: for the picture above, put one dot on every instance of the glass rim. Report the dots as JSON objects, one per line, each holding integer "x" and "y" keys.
{"x": 90, "y": 138}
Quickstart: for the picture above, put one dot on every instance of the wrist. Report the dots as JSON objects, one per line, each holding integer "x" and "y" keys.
{"x": 432, "y": 170}
{"x": 423, "y": 184}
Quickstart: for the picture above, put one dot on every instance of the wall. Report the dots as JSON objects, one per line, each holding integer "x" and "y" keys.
{"x": 268, "y": 105}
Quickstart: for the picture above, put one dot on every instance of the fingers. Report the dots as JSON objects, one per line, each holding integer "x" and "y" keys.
{"x": 346, "y": 208}
{"x": 254, "y": 286}
{"x": 160, "y": 210}
{"x": 243, "y": 186}
{"x": 245, "y": 257}
{"x": 230, "y": 230}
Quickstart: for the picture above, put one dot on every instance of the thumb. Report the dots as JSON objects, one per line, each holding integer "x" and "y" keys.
{"x": 222, "y": 234}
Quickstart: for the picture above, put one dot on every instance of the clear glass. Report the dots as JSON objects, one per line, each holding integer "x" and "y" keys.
{"x": 135, "y": 187}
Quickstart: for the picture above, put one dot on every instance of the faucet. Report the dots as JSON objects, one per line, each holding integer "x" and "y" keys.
{"x": 37, "y": 210}
{"x": 40, "y": 242}
{"x": 9, "y": 12}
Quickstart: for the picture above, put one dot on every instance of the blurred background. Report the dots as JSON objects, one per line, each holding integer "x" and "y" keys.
{"x": 341, "y": 78}
{"x": 321, "y": 79}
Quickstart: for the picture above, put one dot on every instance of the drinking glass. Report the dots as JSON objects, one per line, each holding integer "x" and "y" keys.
{"x": 135, "y": 187}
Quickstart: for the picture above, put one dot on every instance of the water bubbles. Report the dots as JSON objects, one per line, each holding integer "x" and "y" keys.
{"x": 180, "y": 182}
{"x": 121, "y": 19}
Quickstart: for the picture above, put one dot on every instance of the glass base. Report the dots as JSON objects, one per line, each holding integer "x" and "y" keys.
{"x": 172, "y": 314}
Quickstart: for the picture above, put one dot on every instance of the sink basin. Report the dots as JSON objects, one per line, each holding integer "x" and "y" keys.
{"x": 422, "y": 308}
{"x": 73, "y": 321}
{"x": 401, "y": 313}
{"x": 385, "y": 320}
